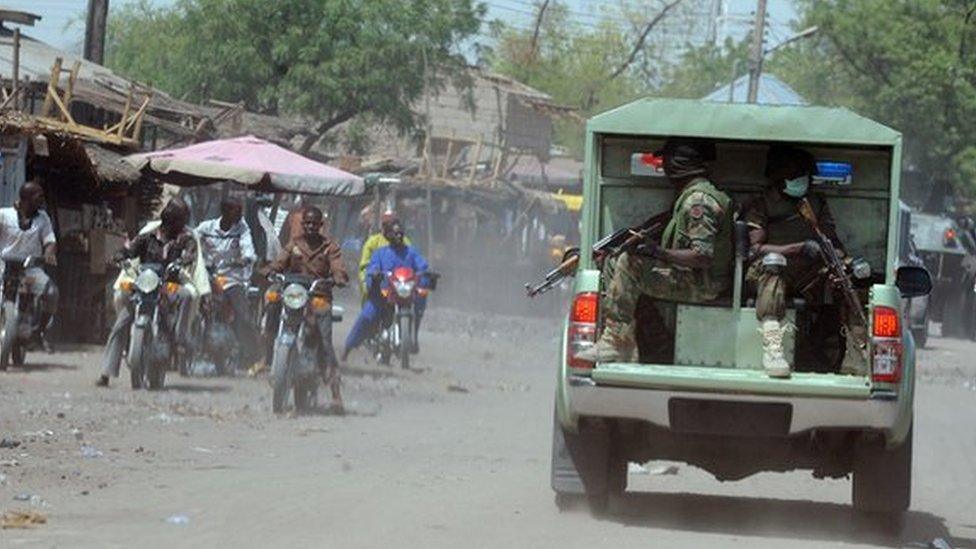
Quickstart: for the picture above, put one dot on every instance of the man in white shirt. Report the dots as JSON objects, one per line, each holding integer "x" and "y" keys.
{"x": 25, "y": 232}
{"x": 228, "y": 251}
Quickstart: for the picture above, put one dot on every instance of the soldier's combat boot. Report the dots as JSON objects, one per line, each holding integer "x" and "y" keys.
{"x": 855, "y": 361}
{"x": 612, "y": 346}
{"x": 773, "y": 360}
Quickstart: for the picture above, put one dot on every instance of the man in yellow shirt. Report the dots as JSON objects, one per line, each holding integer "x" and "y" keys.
{"x": 373, "y": 243}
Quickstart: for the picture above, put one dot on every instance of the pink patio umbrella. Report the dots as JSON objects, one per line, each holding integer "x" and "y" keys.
{"x": 250, "y": 161}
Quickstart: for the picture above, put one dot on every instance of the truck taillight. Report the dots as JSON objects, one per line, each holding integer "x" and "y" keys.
{"x": 886, "y": 323}
{"x": 886, "y": 345}
{"x": 949, "y": 238}
{"x": 582, "y": 327}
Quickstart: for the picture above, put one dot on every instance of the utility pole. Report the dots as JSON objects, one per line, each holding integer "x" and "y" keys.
{"x": 95, "y": 31}
{"x": 756, "y": 57}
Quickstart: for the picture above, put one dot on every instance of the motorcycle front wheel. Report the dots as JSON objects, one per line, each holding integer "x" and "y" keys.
{"x": 8, "y": 335}
{"x": 136, "y": 357}
{"x": 279, "y": 380}
{"x": 406, "y": 340}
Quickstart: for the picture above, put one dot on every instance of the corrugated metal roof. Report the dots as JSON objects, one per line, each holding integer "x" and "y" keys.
{"x": 95, "y": 84}
{"x": 772, "y": 91}
{"x": 695, "y": 118}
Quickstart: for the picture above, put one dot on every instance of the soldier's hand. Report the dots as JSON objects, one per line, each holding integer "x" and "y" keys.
{"x": 811, "y": 249}
{"x": 648, "y": 248}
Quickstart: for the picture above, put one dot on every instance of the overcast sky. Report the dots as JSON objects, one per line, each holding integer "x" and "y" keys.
{"x": 57, "y": 14}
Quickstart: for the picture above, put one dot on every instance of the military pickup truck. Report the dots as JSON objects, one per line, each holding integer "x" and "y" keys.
{"x": 703, "y": 398}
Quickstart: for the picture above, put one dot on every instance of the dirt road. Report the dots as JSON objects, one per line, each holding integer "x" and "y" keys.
{"x": 455, "y": 454}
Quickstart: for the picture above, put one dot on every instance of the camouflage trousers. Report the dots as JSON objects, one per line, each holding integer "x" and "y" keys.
{"x": 632, "y": 276}
{"x": 772, "y": 288}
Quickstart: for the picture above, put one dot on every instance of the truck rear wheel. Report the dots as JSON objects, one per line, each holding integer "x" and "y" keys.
{"x": 586, "y": 469}
{"x": 921, "y": 336}
{"x": 883, "y": 478}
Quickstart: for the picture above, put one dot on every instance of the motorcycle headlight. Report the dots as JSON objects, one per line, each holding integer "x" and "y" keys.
{"x": 147, "y": 281}
{"x": 295, "y": 296}
{"x": 403, "y": 289}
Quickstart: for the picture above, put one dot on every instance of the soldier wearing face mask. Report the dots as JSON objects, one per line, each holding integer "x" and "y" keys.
{"x": 786, "y": 259}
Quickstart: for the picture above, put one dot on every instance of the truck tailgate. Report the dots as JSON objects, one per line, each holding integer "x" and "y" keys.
{"x": 730, "y": 380}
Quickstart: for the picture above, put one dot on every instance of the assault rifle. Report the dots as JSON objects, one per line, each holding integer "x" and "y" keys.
{"x": 607, "y": 247}
{"x": 836, "y": 269}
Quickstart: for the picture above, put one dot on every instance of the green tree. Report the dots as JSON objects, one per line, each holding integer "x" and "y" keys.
{"x": 327, "y": 61}
{"x": 908, "y": 63}
{"x": 590, "y": 66}
{"x": 701, "y": 70}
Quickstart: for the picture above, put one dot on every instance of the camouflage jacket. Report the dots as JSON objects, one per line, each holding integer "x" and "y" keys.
{"x": 702, "y": 221}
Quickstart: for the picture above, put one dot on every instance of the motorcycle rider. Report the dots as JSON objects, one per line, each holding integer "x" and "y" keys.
{"x": 373, "y": 243}
{"x": 25, "y": 232}
{"x": 317, "y": 256}
{"x": 228, "y": 248}
{"x": 384, "y": 260}
{"x": 167, "y": 241}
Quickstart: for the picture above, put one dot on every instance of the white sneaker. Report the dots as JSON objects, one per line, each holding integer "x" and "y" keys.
{"x": 773, "y": 360}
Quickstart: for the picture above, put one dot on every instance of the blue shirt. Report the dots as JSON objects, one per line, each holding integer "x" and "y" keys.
{"x": 388, "y": 258}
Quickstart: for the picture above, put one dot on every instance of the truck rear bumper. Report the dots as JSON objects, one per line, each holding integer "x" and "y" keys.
{"x": 588, "y": 399}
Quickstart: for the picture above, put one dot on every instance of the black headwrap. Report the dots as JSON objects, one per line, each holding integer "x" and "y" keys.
{"x": 685, "y": 158}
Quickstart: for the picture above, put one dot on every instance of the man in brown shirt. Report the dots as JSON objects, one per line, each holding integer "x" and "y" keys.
{"x": 312, "y": 254}
{"x": 316, "y": 256}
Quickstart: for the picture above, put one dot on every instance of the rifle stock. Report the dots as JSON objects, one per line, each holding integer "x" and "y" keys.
{"x": 609, "y": 246}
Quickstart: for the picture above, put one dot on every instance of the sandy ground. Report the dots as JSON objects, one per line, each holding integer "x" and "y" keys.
{"x": 453, "y": 453}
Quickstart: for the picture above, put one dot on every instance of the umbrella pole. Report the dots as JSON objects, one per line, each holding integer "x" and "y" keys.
{"x": 430, "y": 221}
{"x": 274, "y": 209}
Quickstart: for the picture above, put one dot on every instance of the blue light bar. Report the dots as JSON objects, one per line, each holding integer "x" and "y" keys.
{"x": 833, "y": 173}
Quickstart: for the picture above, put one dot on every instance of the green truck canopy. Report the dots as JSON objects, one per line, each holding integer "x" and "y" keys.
{"x": 713, "y": 120}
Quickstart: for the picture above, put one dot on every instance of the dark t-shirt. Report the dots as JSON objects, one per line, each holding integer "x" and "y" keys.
{"x": 150, "y": 248}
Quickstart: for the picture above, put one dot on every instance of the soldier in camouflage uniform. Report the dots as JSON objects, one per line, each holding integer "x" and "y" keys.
{"x": 786, "y": 256}
{"x": 691, "y": 263}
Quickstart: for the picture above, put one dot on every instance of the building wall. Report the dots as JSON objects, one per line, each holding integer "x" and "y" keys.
{"x": 13, "y": 151}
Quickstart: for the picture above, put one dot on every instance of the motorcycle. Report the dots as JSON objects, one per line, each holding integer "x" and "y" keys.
{"x": 21, "y": 317}
{"x": 294, "y": 304}
{"x": 216, "y": 325}
{"x": 152, "y": 337}
{"x": 395, "y": 336}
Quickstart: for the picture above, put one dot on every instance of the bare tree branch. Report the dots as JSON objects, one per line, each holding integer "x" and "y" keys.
{"x": 324, "y": 127}
{"x": 643, "y": 38}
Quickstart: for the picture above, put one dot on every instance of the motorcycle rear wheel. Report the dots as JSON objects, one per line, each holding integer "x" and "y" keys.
{"x": 304, "y": 396}
{"x": 19, "y": 354}
{"x": 136, "y": 357}
{"x": 157, "y": 377}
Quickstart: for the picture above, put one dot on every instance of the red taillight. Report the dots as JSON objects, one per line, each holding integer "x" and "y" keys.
{"x": 886, "y": 322}
{"x": 886, "y": 345}
{"x": 582, "y": 328}
{"x": 585, "y": 308}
